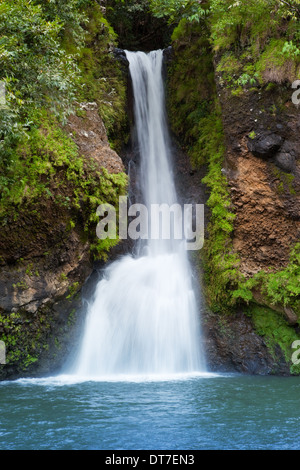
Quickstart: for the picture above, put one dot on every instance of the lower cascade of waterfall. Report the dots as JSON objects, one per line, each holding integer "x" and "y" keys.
{"x": 144, "y": 318}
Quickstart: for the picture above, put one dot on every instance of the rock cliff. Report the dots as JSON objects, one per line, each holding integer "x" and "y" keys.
{"x": 262, "y": 165}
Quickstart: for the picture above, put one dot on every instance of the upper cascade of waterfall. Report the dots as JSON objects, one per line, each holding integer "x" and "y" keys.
{"x": 151, "y": 126}
{"x": 152, "y": 135}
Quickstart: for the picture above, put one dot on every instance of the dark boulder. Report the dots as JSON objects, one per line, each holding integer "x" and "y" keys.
{"x": 286, "y": 158}
{"x": 265, "y": 145}
{"x": 168, "y": 54}
{"x": 285, "y": 161}
{"x": 120, "y": 55}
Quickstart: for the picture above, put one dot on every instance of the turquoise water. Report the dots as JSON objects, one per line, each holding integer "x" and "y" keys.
{"x": 209, "y": 412}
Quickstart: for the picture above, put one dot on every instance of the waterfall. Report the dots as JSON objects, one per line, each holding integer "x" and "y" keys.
{"x": 144, "y": 318}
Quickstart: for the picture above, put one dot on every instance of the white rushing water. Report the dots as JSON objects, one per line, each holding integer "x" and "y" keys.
{"x": 144, "y": 316}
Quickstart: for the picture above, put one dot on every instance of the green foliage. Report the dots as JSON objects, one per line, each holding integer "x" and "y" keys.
{"x": 101, "y": 79}
{"x": 240, "y": 32}
{"x": 262, "y": 37}
{"x": 245, "y": 78}
{"x": 39, "y": 154}
{"x": 175, "y": 10}
{"x": 290, "y": 50}
{"x": 228, "y": 17}
{"x": 73, "y": 289}
{"x": 283, "y": 287}
{"x": 230, "y": 65}
{"x": 36, "y": 70}
{"x": 276, "y": 332}
{"x": 221, "y": 263}
{"x": 231, "y": 21}
{"x": 136, "y": 26}
{"x": 273, "y": 65}
{"x": 252, "y": 135}
{"x": 54, "y": 55}
{"x": 243, "y": 31}
{"x": 48, "y": 165}
{"x": 71, "y": 15}
{"x": 33, "y": 67}
{"x": 21, "y": 347}
{"x": 284, "y": 183}
{"x": 278, "y": 63}
{"x": 190, "y": 86}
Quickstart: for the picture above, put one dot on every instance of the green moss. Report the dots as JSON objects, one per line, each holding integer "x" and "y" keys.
{"x": 247, "y": 58}
{"x": 102, "y": 80}
{"x": 236, "y": 26}
{"x": 284, "y": 183}
{"x": 48, "y": 166}
{"x": 275, "y": 65}
{"x": 191, "y": 85}
{"x": 276, "y": 332}
{"x": 73, "y": 289}
{"x": 71, "y": 318}
{"x": 237, "y": 92}
{"x": 278, "y": 288}
{"x": 229, "y": 66}
{"x": 259, "y": 61}
{"x": 221, "y": 263}
{"x": 36, "y": 162}
{"x": 22, "y": 285}
{"x": 22, "y": 347}
{"x": 31, "y": 272}
{"x": 283, "y": 287}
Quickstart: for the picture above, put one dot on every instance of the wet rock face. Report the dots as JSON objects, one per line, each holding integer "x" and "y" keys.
{"x": 120, "y": 55}
{"x": 232, "y": 345}
{"x": 285, "y": 159}
{"x": 90, "y": 136}
{"x": 40, "y": 301}
{"x": 168, "y": 54}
